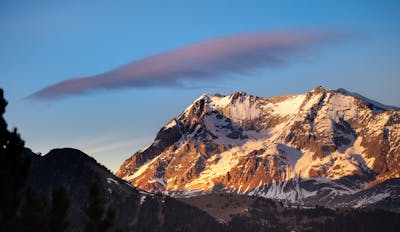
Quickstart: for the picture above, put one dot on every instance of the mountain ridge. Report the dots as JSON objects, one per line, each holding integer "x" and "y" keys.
{"x": 135, "y": 209}
{"x": 250, "y": 145}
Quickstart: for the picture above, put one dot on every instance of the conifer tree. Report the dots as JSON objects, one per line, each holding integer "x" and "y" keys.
{"x": 59, "y": 211}
{"x": 99, "y": 219}
{"x": 13, "y": 171}
{"x": 34, "y": 214}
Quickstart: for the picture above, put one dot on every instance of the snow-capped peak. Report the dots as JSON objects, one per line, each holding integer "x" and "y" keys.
{"x": 261, "y": 146}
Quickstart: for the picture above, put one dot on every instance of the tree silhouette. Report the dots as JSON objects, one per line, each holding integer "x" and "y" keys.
{"x": 13, "y": 171}
{"x": 34, "y": 214}
{"x": 99, "y": 219}
{"x": 59, "y": 211}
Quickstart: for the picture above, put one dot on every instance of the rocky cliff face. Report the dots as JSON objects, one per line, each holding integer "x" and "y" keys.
{"x": 291, "y": 147}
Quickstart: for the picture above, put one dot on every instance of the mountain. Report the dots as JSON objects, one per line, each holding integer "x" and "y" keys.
{"x": 135, "y": 210}
{"x": 327, "y": 147}
{"x": 37, "y": 203}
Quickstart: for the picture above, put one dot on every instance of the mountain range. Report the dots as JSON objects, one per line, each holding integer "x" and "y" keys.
{"x": 138, "y": 210}
{"x": 325, "y": 147}
{"x": 321, "y": 161}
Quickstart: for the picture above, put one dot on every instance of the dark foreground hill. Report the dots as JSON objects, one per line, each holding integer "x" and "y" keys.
{"x": 135, "y": 210}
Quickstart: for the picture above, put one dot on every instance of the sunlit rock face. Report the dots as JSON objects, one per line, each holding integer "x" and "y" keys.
{"x": 278, "y": 147}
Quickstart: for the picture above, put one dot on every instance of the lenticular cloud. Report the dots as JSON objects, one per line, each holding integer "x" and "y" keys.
{"x": 205, "y": 60}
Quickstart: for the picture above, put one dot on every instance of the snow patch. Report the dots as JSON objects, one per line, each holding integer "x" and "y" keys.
{"x": 371, "y": 199}
{"x": 140, "y": 171}
{"x": 171, "y": 124}
{"x": 306, "y": 194}
{"x": 142, "y": 199}
{"x": 291, "y": 153}
{"x": 288, "y": 106}
{"x": 111, "y": 180}
{"x": 312, "y": 101}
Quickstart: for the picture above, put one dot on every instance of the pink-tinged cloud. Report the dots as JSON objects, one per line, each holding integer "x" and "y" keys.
{"x": 205, "y": 60}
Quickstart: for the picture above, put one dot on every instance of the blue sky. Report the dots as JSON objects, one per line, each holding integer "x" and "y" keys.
{"x": 45, "y": 42}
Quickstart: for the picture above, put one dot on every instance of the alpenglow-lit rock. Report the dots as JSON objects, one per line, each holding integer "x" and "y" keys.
{"x": 300, "y": 148}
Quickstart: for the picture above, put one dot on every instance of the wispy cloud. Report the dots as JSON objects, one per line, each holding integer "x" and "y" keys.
{"x": 101, "y": 146}
{"x": 108, "y": 148}
{"x": 209, "y": 59}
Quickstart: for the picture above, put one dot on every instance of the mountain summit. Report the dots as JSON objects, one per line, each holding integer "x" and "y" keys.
{"x": 330, "y": 147}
